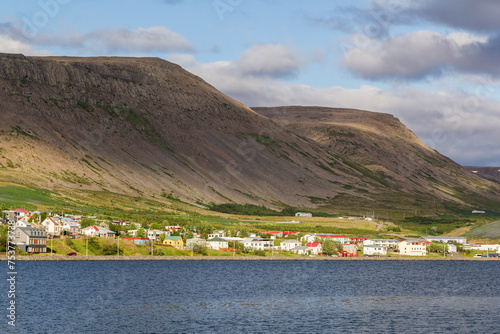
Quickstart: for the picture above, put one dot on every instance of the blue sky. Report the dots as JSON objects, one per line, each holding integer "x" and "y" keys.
{"x": 432, "y": 64}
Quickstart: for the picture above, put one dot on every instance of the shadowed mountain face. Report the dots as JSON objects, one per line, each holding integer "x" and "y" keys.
{"x": 145, "y": 127}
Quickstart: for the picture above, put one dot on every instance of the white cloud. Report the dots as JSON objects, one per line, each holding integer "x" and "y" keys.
{"x": 154, "y": 39}
{"x": 10, "y": 45}
{"x": 107, "y": 41}
{"x": 415, "y": 55}
{"x": 271, "y": 60}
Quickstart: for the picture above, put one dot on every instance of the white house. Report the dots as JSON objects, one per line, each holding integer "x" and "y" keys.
{"x": 190, "y": 243}
{"x": 217, "y": 243}
{"x": 53, "y": 226}
{"x": 70, "y": 225}
{"x": 301, "y": 250}
{"x": 217, "y": 234}
{"x": 481, "y": 247}
{"x": 315, "y": 247}
{"x": 257, "y": 243}
{"x": 413, "y": 248}
{"x": 21, "y": 223}
{"x": 288, "y": 245}
{"x": 374, "y": 250}
{"x": 97, "y": 231}
{"x": 303, "y": 214}
{"x": 446, "y": 240}
{"x": 389, "y": 243}
{"x": 338, "y": 238}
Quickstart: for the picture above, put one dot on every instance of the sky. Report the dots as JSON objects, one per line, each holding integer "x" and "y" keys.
{"x": 432, "y": 64}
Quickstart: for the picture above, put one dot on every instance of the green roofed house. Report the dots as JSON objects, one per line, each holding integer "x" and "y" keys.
{"x": 217, "y": 243}
{"x": 176, "y": 242}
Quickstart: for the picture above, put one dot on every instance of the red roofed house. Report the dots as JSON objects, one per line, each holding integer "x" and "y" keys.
{"x": 53, "y": 226}
{"x": 97, "y": 231}
{"x": 357, "y": 241}
{"x": 21, "y": 213}
{"x": 315, "y": 247}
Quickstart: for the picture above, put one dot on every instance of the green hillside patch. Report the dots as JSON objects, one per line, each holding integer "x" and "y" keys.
{"x": 28, "y": 197}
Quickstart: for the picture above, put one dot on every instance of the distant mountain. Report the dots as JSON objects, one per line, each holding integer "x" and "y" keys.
{"x": 145, "y": 127}
{"x": 488, "y": 173}
{"x": 382, "y": 144}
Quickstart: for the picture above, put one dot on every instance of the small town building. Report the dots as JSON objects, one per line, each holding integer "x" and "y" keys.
{"x": 175, "y": 241}
{"x": 301, "y": 250}
{"x": 303, "y": 214}
{"x": 288, "y": 245}
{"x": 258, "y": 243}
{"x": 446, "y": 240}
{"x": 413, "y": 248}
{"x": 30, "y": 239}
{"x": 315, "y": 247}
{"x": 53, "y": 226}
{"x": 97, "y": 231}
{"x": 374, "y": 250}
{"x": 389, "y": 243}
{"x": 217, "y": 243}
{"x": 190, "y": 243}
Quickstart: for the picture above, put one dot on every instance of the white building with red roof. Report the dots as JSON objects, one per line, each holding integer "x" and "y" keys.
{"x": 315, "y": 247}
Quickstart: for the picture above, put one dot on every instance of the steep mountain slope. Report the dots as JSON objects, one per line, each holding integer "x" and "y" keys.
{"x": 488, "y": 173}
{"x": 382, "y": 144}
{"x": 143, "y": 126}
{"x": 146, "y": 128}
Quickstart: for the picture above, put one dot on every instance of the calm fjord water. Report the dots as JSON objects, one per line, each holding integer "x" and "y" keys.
{"x": 257, "y": 297}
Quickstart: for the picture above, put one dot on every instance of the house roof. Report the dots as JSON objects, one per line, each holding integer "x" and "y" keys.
{"x": 291, "y": 242}
{"x": 175, "y": 238}
{"x": 21, "y": 210}
{"x": 331, "y": 236}
{"x": 373, "y": 246}
{"x": 313, "y": 244}
{"x": 217, "y": 240}
{"x": 29, "y": 230}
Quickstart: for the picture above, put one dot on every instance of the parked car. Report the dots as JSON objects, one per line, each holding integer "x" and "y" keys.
{"x": 71, "y": 254}
{"x": 478, "y": 255}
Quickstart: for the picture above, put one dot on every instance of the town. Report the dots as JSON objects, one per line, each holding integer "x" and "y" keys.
{"x": 34, "y": 232}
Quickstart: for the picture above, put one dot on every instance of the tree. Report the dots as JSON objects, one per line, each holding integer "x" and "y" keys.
{"x": 331, "y": 247}
{"x": 86, "y": 222}
{"x": 243, "y": 233}
{"x": 144, "y": 225}
{"x": 141, "y": 233}
{"x": 438, "y": 247}
{"x": 43, "y": 216}
{"x": 162, "y": 237}
{"x": 155, "y": 226}
{"x": 2, "y": 209}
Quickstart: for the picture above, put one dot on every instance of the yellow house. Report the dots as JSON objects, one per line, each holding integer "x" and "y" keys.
{"x": 174, "y": 241}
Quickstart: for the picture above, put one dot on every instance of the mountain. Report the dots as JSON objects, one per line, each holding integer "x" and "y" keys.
{"x": 382, "y": 144}
{"x": 488, "y": 173}
{"x": 146, "y": 128}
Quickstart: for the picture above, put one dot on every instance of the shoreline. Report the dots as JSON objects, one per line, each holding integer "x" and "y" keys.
{"x": 232, "y": 258}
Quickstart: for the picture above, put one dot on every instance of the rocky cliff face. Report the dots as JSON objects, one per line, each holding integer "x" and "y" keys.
{"x": 146, "y": 127}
